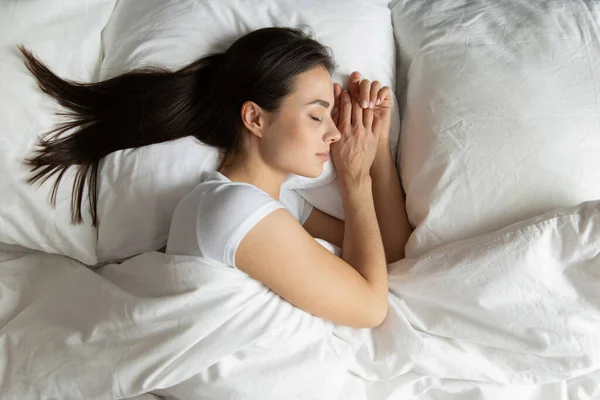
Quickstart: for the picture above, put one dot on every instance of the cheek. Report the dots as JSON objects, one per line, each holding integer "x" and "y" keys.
{"x": 292, "y": 145}
{"x": 296, "y": 137}
{"x": 305, "y": 140}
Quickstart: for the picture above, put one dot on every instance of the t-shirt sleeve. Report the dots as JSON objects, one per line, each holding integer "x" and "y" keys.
{"x": 227, "y": 213}
{"x": 297, "y": 205}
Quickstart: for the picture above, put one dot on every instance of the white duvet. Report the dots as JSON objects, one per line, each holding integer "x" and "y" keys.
{"x": 516, "y": 306}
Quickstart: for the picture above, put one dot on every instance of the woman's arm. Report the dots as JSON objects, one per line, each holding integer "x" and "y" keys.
{"x": 389, "y": 206}
{"x": 387, "y": 190}
{"x": 389, "y": 203}
{"x": 321, "y": 225}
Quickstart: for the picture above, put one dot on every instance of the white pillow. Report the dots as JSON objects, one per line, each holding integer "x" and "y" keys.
{"x": 135, "y": 209}
{"x": 66, "y": 36}
{"x": 502, "y": 116}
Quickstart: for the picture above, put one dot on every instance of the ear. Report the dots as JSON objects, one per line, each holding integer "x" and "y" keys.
{"x": 254, "y": 118}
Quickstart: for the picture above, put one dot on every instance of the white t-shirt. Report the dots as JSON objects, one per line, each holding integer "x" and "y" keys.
{"x": 212, "y": 219}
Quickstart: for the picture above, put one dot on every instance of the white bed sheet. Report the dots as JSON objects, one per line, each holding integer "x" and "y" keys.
{"x": 421, "y": 387}
{"x": 413, "y": 386}
{"x": 520, "y": 306}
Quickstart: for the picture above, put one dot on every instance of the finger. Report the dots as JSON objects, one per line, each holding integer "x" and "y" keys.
{"x": 357, "y": 113}
{"x": 384, "y": 97}
{"x": 375, "y": 86}
{"x": 353, "y": 83}
{"x": 345, "y": 118}
{"x": 337, "y": 91}
{"x": 368, "y": 118}
{"x": 335, "y": 111}
{"x": 365, "y": 86}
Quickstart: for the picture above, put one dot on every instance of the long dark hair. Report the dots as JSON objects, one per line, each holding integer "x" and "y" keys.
{"x": 154, "y": 105}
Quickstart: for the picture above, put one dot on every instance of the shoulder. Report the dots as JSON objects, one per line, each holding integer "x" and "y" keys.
{"x": 231, "y": 196}
{"x": 226, "y": 212}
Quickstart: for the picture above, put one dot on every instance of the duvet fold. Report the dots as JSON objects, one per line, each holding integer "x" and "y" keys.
{"x": 519, "y": 305}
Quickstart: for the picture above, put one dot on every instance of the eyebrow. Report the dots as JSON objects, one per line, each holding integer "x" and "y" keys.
{"x": 319, "y": 102}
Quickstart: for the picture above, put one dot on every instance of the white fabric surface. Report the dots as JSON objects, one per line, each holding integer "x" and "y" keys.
{"x": 520, "y": 305}
{"x": 140, "y": 189}
{"x": 212, "y": 220}
{"x": 155, "y": 322}
{"x": 414, "y": 386}
{"x": 502, "y": 112}
{"x": 517, "y": 306}
{"x": 66, "y": 36}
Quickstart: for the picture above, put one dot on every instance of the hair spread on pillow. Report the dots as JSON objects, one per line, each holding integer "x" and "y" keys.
{"x": 154, "y": 105}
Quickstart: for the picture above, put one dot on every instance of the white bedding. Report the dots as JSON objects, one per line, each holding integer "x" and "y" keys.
{"x": 414, "y": 386}
{"x": 511, "y": 314}
{"x": 501, "y": 117}
{"x": 67, "y": 37}
{"x": 516, "y": 306}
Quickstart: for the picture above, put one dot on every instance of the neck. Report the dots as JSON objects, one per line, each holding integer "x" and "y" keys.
{"x": 258, "y": 174}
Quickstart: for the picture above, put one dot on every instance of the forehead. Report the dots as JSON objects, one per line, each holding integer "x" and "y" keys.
{"x": 311, "y": 85}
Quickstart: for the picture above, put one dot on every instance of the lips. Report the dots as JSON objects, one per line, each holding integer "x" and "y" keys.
{"x": 323, "y": 156}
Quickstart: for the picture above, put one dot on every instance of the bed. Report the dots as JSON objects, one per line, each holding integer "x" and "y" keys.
{"x": 496, "y": 133}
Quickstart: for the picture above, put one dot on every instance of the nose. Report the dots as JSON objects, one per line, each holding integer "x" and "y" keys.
{"x": 332, "y": 135}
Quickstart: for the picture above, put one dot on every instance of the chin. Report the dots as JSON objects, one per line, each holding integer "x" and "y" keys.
{"x": 307, "y": 168}
{"x": 311, "y": 173}
{"x": 317, "y": 172}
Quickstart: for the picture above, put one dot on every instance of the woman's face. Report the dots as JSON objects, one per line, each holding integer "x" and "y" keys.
{"x": 298, "y": 135}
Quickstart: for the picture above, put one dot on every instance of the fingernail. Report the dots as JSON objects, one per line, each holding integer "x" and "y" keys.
{"x": 377, "y": 102}
{"x": 371, "y": 105}
{"x": 365, "y": 104}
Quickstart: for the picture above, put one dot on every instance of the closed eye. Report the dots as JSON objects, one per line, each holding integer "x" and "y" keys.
{"x": 317, "y": 119}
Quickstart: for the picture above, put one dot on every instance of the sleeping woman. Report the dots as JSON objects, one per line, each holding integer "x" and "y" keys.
{"x": 269, "y": 105}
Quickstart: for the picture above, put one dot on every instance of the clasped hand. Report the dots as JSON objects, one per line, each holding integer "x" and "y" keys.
{"x": 362, "y": 115}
